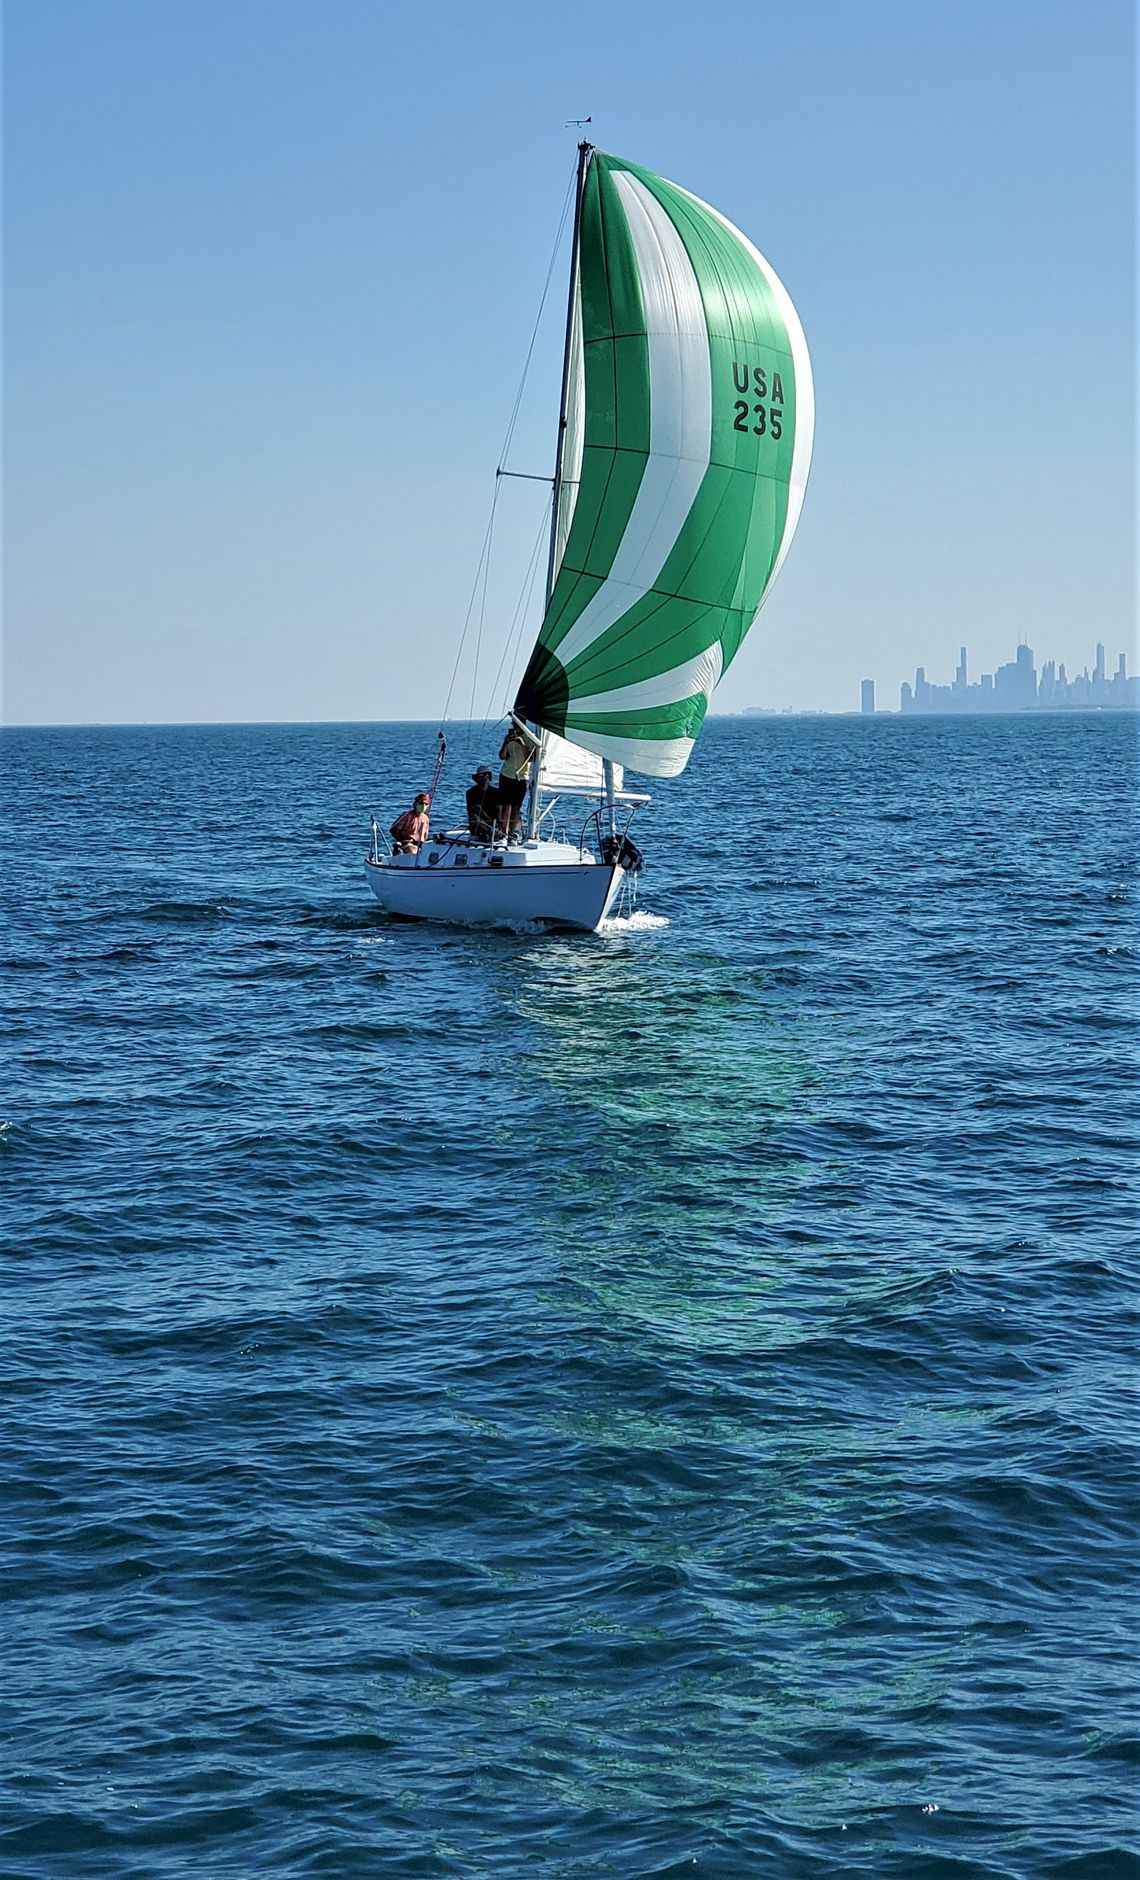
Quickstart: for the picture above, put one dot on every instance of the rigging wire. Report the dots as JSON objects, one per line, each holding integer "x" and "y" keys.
{"x": 482, "y": 570}
{"x": 538, "y": 317}
{"x": 479, "y": 629}
{"x": 484, "y": 561}
{"x": 513, "y": 638}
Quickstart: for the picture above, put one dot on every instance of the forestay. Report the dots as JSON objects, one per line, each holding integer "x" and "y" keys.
{"x": 689, "y": 428}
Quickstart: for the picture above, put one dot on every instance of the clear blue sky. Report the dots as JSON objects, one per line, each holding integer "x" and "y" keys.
{"x": 272, "y": 268}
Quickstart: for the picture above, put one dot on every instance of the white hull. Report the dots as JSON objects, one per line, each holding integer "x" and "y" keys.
{"x": 461, "y": 882}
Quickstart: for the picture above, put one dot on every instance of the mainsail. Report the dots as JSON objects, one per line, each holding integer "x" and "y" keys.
{"x": 689, "y": 416}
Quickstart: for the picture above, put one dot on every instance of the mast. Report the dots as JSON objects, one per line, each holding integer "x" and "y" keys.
{"x": 585, "y": 152}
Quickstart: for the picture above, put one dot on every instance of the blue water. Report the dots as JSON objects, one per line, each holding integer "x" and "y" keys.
{"x": 645, "y": 1404}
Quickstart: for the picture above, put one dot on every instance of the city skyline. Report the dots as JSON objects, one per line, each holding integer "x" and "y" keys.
{"x": 1013, "y": 686}
{"x": 1017, "y": 686}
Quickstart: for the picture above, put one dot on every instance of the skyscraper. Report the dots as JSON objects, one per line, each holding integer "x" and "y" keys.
{"x": 1015, "y": 685}
{"x": 867, "y": 698}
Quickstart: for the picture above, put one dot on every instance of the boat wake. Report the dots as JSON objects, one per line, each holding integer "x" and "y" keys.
{"x": 640, "y": 921}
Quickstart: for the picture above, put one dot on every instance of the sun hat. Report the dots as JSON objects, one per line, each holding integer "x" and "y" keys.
{"x": 484, "y": 770}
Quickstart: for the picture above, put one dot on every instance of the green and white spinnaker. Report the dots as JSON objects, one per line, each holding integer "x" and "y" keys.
{"x": 689, "y": 427}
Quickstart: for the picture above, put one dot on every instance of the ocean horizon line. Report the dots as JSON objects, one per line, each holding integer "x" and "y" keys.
{"x": 747, "y": 711}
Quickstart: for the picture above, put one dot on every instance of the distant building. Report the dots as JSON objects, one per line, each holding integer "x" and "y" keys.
{"x": 867, "y": 698}
{"x": 1016, "y": 684}
{"x": 1047, "y": 683}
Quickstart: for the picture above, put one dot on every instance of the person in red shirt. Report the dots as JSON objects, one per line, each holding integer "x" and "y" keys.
{"x": 410, "y": 831}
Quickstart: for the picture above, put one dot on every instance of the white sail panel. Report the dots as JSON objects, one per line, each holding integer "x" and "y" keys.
{"x": 566, "y": 766}
{"x": 575, "y": 434}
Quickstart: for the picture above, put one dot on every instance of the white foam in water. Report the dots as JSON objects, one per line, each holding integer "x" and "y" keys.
{"x": 640, "y": 921}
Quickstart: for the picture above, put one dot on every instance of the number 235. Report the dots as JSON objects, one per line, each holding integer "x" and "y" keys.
{"x": 764, "y": 426}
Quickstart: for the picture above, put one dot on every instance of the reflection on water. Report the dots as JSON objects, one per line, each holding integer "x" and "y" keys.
{"x": 662, "y": 1135}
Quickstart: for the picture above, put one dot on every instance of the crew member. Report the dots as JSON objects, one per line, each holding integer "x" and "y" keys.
{"x": 410, "y": 831}
{"x": 482, "y": 805}
{"x": 516, "y": 756}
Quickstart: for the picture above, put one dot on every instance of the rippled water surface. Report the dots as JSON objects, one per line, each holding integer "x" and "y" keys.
{"x": 634, "y": 1405}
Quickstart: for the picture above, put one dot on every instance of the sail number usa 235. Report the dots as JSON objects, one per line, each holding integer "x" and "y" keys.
{"x": 761, "y": 410}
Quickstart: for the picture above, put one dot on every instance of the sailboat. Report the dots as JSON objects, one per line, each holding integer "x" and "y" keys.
{"x": 684, "y": 440}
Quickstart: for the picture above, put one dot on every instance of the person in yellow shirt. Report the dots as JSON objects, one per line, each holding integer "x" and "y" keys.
{"x": 516, "y": 757}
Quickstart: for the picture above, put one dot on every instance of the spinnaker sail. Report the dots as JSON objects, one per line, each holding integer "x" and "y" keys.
{"x": 689, "y": 418}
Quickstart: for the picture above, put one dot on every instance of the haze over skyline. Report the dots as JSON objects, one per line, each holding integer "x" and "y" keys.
{"x": 272, "y": 271}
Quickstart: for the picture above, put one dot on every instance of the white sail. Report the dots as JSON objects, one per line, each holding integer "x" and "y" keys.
{"x": 566, "y": 766}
